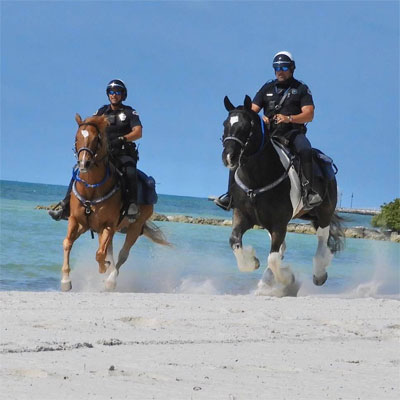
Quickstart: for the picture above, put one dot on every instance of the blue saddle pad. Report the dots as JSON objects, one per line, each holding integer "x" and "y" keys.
{"x": 146, "y": 189}
{"x": 327, "y": 168}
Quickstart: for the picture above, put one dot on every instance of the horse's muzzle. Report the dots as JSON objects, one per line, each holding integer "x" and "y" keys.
{"x": 84, "y": 166}
{"x": 229, "y": 160}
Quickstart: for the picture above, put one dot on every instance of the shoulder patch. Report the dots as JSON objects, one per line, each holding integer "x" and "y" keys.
{"x": 309, "y": 91}
{"x": 134, "y": 112}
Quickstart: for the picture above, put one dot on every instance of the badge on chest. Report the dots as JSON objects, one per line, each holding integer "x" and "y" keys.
{"x": 122, "y": 117}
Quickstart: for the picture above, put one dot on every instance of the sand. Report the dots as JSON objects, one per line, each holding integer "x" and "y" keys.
{"x": 180, "y": 346}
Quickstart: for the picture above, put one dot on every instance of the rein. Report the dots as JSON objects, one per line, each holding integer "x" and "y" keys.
{"x": 252, "y": 193}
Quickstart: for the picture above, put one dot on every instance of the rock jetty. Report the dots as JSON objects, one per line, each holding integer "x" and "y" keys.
{"x": 358, "y": 232}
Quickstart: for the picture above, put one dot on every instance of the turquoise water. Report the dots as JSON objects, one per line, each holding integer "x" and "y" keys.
{"x": 200, "y": 262}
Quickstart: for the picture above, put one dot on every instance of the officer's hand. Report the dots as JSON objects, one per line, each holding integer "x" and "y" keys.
{"x": 117, "y": 142}
{"x": 279, "y": 118}
{"x": 265, "y": 119}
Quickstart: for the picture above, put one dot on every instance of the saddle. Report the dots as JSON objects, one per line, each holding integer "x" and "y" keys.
{"x": 146, "y": 188}
{"x": 324, "y": 169}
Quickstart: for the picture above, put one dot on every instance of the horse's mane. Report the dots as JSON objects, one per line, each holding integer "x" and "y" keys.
{"x": 99, "y": 120}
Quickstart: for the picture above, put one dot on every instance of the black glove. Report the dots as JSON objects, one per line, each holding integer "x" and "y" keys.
{"x": 117, "y": 143}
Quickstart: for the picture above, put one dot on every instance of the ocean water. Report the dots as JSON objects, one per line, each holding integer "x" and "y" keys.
{"x": 201, "y": 260}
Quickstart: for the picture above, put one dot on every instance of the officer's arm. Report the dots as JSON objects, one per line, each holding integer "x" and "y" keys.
{"x": 257, "y": 109}
{"x": 306, "y": 115}
{"x": 134, "y": 134}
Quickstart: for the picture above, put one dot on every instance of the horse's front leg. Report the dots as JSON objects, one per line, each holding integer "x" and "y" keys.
{"x": 276, "y": 277}
{"x": 111, "y": 281}
{"x": 72, "y": 234}
{"x": 105, "y": 238}
{"x": 245, "y": 256}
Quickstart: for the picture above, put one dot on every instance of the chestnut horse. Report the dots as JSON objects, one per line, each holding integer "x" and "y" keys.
{"x": 96, "y": 204}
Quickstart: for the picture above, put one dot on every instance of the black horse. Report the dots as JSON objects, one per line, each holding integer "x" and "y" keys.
{"x": 267, "y": 192}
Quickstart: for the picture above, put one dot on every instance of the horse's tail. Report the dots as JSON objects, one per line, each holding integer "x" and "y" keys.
{"x": 153, "y": 232}
{"x": 336, "y": 237}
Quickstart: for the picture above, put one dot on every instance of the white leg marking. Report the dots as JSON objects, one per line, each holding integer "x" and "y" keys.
{"x": 246, "y": 259}
{"x": 323, "y": 255}
{"x": 111, "y": 281}
{"x": 282, "y": 275}
{"x": 282, "y": 249}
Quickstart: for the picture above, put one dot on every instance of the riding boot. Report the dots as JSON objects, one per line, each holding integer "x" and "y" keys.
{"x": 131, "y": 184}
{"x": 225, "y": 201}
{"x": 311, "y": 198}
{"x": 63, "y": 212}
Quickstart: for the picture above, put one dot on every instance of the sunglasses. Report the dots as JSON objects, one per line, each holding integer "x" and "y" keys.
{"x": 277, "y": 69}
{"x": 118, "y": 92}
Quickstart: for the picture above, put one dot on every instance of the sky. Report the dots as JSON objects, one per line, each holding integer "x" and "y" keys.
{"x": 179, "y": 59}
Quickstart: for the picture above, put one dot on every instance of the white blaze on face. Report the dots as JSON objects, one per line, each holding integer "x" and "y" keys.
{"x": 85, "y": 135}
{"x": 234, "y": 119}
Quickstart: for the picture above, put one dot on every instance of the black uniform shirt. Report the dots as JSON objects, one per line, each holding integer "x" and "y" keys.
{"x": 122, "y": 121}
{"x": 271, "y": 93}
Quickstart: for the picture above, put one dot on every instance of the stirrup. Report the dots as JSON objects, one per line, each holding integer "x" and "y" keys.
{"x": 311, "y": 200}
{"x": 132, "y": 212}
{"x": 224, "y": 201}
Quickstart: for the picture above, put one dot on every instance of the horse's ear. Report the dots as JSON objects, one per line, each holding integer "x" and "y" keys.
{"x": 247, "y": 103}
{"x": 78, "y": 119}
{"x": 228, "y": 105}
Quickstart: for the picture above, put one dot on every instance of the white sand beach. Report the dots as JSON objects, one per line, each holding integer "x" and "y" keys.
{"x": 177, "y": 346}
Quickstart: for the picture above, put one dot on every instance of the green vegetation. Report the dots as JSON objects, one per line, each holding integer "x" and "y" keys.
{"x": 389, "y": 217}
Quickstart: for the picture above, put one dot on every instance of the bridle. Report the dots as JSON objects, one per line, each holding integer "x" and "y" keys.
{"x": 242, "y": 144}
{"x": 88, "y": 149}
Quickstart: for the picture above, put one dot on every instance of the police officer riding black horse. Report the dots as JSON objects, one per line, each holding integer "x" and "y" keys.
{"x": 124, "y": 128}
{"x": 288, "y": 105}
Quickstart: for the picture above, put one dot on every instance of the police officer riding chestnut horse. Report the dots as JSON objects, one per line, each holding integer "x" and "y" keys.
{"x": 268, "y": 185}
{"x": 96, "y": 198}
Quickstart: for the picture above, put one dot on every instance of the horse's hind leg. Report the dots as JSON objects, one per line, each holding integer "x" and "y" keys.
{"x": 134, "y": 231}
{"x": 245, "y": 257}
{"x": 322, "y": 258}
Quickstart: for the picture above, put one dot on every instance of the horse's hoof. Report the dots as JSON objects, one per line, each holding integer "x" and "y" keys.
{"x": 110, "y": 285}
{"x": 66, "y": 286}
{"x": 321, "y": 280}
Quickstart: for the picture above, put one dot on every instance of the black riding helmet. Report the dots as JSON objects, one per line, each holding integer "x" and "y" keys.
{"x": 284, "y": 59}
{"x": 117, "y": 84}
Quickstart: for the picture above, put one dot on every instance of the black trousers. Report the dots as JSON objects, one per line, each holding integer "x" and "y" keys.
{"x": 300, "y": 145}
{"x": 127, "y": 165}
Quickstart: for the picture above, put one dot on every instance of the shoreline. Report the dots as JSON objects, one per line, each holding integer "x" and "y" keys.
{"x": 357, "y": 232}
{"x": 180, "y": 346}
